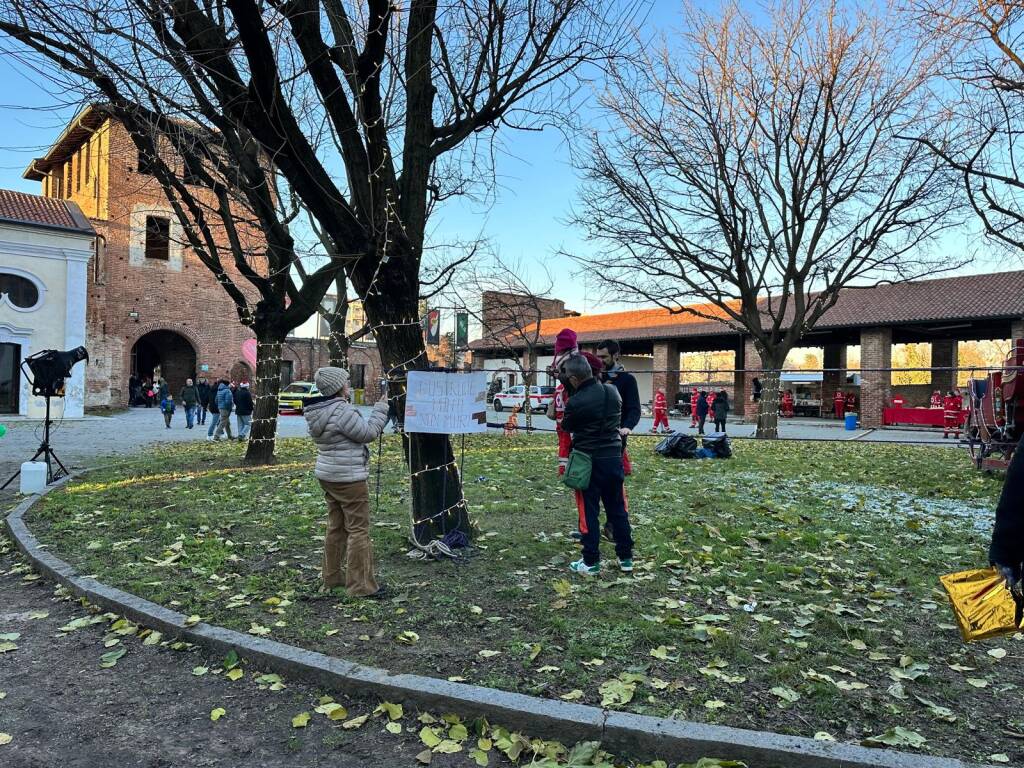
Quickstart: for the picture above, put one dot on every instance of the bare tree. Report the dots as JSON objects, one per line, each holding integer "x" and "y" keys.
{"x": 754, "y": 166}
{"x": 982, "y": 42}
{"x": 372, "y": 111}
{"x": 509, "y": 314}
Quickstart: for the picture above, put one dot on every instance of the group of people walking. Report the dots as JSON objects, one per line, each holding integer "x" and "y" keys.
{"x": 218, "y": 400}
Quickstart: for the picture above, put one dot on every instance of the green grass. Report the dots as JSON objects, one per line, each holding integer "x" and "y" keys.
{"x": 765, "y": 571}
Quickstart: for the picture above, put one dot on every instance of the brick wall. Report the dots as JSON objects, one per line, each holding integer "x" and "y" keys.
{"x": 875, "y": 389}
{"x": 666, "y": 368}
{"x": 502, "y": 312}
{"x": 306, "y": 355}
{"x": 179, "y": 295}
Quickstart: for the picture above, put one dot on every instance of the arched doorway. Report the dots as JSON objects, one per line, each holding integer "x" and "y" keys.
{"x": 167, "y": 353}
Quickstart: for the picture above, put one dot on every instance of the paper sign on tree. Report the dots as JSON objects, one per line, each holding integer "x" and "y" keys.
{"x": 446, "y": 403}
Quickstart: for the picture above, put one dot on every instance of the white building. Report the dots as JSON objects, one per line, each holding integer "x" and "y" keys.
{"x": 45, "y": 247}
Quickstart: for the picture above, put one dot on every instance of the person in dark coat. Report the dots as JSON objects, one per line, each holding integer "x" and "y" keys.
{"x": 189, "y": 398}
{"x": 1006, "y": 550}
{"x": 720, "y": 409}
{"x": 243, "y": 409}
{"x": 134, "y": 390}
{"x": 592, "y": 416}
{"x": 205, "y": 393}
{"x": 702, "y": 411}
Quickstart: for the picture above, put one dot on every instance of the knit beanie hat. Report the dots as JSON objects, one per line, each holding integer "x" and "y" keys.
{"x": 565, "y": 341}
{"x": 330, "y": 380}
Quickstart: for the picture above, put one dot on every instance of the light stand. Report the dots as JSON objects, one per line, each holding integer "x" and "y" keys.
{"x": 45, "y": 371}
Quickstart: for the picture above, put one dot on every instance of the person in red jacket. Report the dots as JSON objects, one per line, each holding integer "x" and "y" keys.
{"x": 851, "y": 402}
{"x": 936, "y": 400}
{"x": 839, "y": 403}
{"x": 787, "y": 404}
{"x": 950, "y": 415}
{"x": 694, "y": 396}
{"x": 660, "y": 412}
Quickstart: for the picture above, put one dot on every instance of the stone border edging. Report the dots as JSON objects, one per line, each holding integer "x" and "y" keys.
{"x": 621, "y": 733}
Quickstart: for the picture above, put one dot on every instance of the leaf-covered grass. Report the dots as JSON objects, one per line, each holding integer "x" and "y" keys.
{"x": 792, "y": 588}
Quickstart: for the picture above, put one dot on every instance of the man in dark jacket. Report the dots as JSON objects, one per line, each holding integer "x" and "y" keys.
{"x": 189, "y": 398}
{"x": 702, "y": 411}
{"x": 204, "y": 393}
{"x": 243, "y": 409}
{"x": 225, "y": 403}
{"x": 592, "y": 416}
{"x": 1006, "y": 551}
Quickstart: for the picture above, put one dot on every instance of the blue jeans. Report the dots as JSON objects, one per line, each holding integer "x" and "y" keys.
{"x": 606, "y": 486}
{"x": 190, "y": 416}
{"x": 201, "y": 412}
{"x": 214, "y": 418}
{"x": 244, "y": 422}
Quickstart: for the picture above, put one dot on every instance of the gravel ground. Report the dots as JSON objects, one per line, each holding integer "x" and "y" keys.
{"x": 60, "y": 708}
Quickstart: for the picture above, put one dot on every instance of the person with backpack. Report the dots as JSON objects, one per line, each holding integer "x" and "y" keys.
{"x": 243, "y": 409}
{"x": 225, "y": 403}
{"x": 167, "y": 409}
{"x": 720, "y": 410}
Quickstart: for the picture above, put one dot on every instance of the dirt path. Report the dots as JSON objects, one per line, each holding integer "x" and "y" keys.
{"x": 60, "y": 708}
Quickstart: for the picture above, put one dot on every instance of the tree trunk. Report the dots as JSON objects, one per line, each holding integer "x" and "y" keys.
{"x": 263, "y": 435}
{"x": 529, "y": 379}
{"x": 438, "y": 506}
{"x": 768, "y": 406}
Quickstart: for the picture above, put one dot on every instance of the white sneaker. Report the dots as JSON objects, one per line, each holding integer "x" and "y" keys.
{"x": 209, "y": 438}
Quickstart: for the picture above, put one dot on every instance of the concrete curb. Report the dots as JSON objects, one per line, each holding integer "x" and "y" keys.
{"x": 619, "y": 732}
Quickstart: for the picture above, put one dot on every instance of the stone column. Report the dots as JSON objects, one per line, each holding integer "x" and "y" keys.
{"x": 752, "y": 367}
{"x": 944, "y": 355}
{"x": 834, "y": 358}
{"x": 74, "y": 332}
{"x": 666, "y": 370}
{"x": 875, "y": 385}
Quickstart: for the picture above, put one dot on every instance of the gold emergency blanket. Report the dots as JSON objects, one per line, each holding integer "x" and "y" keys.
{"x": 983, "y": 604}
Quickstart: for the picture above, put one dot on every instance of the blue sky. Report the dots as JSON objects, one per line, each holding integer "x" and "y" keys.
{"x": 526, "y": 222}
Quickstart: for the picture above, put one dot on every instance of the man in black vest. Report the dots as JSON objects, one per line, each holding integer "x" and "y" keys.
{"x": 609, "y": 352}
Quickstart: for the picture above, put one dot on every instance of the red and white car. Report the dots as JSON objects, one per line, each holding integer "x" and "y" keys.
{"x": 540, "y": 398}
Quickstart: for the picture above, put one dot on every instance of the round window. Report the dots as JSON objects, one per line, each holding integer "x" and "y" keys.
{"x": 20, "y": 291}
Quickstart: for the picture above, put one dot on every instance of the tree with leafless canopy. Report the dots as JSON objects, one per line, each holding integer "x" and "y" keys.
{"x": 373, "y": 112}
{"x": 753, "y": 166}
{"x": 983, "y": 68}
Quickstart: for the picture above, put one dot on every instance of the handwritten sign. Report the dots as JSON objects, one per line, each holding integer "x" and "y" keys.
{"x": 446, "y": 403}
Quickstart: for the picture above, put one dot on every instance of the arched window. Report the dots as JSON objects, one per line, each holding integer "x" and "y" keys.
{"x": 19, "y": 291}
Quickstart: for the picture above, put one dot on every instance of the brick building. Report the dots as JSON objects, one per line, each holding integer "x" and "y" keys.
{"x": 152, "y": 304}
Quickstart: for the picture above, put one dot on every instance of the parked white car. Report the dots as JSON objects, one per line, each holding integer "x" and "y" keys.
{"x": 540, "y": 398}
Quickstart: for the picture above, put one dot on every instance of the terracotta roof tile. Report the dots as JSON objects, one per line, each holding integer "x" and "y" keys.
{"x": 952, "y": 299}
{"x": 49, "y": 212}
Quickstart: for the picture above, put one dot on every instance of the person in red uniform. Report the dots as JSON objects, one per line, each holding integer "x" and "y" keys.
{"x": 660, "y": 411}
{"x": 936, "y": 400}
{"x": 950, "y": 416}
{"x": 839, "y": 403}
{"x": 694, "y": 396}
{"x": 787, "y": 404}
{"x": 565, "y": 345}
{"x": 851, "y": 402}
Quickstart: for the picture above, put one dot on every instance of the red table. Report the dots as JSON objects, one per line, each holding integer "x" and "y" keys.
{"x": 931, "y": 417}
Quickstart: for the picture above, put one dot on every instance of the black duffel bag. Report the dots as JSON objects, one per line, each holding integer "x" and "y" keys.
{"x": 718, "y": 444}
{"x": 677, "y": 446}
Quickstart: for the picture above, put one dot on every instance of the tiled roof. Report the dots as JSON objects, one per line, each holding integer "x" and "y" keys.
{"x": 951, "y": 299}
{"x": 34, "y": 210}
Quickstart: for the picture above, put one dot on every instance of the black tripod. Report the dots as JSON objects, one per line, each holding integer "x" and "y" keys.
{"x": 44, "y": 450}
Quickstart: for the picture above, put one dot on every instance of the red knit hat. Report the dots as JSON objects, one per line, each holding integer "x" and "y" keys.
{"x": 595, "y": 363}
{"x": 565, "y": 341}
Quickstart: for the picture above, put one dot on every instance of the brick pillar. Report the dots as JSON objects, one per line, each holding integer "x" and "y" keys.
{"x": 1017, "y": 329}
{"x": 875, "y": 386}
{"x": 752, "y": 367}
{"x": 740, "y": 391}
{"x": 944, "y": 355}
{"x": 666, "y": 370}
{"x": 835, "y": 358}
